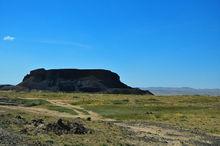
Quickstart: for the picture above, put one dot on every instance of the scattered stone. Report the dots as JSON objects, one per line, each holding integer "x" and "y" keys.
{"x": 89, "y": 119}
{"x": 20, "y": 120}
{"x": 19, "y": 117}
{"x": 149, "y": 113}
{"x": 61, "y": 127}
{"x": 24, "y": 131}
{"x": 37, "y": 122}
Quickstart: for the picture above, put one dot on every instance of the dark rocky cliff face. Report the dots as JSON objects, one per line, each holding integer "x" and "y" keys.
{"x": 75, "y": 80}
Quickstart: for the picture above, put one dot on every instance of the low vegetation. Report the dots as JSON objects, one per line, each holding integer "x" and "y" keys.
{"x": 61, "y": 109}
{"x": 23, "y": 102}
{"x": 191, "y": 112}
{"x": 196, "y": 113}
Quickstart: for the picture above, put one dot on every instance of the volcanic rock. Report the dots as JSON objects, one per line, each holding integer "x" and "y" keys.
{"x": 61, "y": 127}
{"x": 76, "y": 80}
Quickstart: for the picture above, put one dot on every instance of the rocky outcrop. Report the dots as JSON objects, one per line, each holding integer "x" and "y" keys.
{"x": 76, "y": 80}
{"x": 61, "y": 127}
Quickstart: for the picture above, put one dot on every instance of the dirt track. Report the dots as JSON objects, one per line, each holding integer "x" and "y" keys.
{"x": 40, "y": 111}
{"x": 161, "y": 134}
{"x": 149, "y": 133}
{"x": 77, "y": 109}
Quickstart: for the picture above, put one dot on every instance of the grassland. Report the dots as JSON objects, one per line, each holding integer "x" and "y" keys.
{"x": 196, "y": 113}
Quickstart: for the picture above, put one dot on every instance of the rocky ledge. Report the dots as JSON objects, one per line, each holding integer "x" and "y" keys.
{"x": 77, "y": 80}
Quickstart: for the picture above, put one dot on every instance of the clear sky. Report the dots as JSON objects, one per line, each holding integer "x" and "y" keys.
{"x": 171, "y": 43}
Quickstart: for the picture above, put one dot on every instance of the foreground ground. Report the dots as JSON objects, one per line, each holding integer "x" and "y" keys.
{"x": 108, "y": 119}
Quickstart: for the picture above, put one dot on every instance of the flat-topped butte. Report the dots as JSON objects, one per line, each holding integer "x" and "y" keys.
{"x": 77, "y": 80}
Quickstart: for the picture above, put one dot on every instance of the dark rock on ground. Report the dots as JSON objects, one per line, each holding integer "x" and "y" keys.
{"x": 20, "y": 117}
{"x": 24, "y": 131}
{"x": 37, "y": 122}
{"x": 76, "y": 80}
{"x": 61, "y": 127}
{"x": 20, "y": 120}
{"x": 89, "y": 119}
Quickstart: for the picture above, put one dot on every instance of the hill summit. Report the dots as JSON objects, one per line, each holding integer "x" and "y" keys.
{"x": 77, "y": 80}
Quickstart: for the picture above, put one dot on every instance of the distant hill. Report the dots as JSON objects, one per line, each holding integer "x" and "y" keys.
{"x": 6, "y": 87}
{"x": 77, "y": 80}
{"x": 182, "y": 91}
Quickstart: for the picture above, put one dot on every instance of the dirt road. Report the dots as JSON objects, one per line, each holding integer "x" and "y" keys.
{"x": 144, "y": 132}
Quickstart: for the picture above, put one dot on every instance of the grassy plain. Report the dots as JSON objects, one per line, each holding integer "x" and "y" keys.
{"x": 200, "y": 113}
{"x": 194, "y": 112}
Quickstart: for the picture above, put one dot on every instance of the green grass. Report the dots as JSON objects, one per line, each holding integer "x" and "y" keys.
{"x": 31, "y": 102}
{"x": 124, "y": 101}
{"x": 123, "y": 112}
{"x": 83, "y": 111}
{"x": 61, "y": 109}
{"x": 102, "y": 133}
{"x": 193, "y": 112}
{"x": 24, "y": 102}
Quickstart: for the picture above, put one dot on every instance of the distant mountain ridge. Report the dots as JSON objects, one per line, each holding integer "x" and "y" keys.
{"x": 6, "y": 87}
{"x": 182, "y": 91}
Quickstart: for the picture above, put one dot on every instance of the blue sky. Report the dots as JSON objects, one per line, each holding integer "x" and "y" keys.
{"x": 171, "y": 43}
